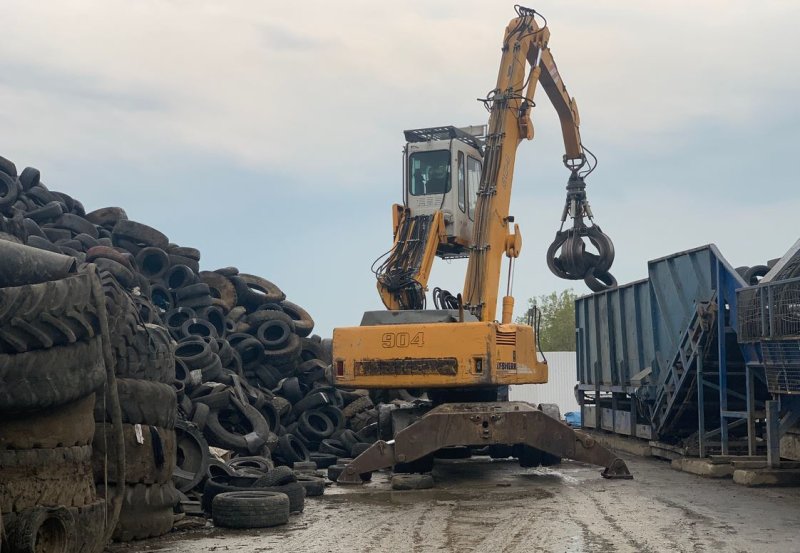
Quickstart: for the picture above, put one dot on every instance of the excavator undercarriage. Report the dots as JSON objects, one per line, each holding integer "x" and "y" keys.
{"x": 511, "y": 423}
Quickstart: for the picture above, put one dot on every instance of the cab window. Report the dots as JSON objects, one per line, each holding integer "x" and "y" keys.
{"x": 473, "y": 183}
{"x": 429, "y": 172}
{"x": 462, "y": 183}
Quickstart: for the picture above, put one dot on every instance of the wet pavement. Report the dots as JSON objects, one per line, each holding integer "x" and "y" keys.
{"x": 481, "y": 505}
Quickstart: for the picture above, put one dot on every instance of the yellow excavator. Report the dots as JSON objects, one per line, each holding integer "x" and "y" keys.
{"x": 458, "y": 356}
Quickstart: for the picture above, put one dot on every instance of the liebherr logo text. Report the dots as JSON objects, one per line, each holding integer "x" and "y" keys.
{"x": 402, "y": 339}
{"x": 506, "y": 366}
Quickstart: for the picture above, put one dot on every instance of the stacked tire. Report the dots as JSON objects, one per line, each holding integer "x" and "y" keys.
{"x": 144, "y": 357}
{"x": 51, "y": 367}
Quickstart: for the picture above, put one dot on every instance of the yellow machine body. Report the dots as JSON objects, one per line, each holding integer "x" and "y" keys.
{"x": 436, "y": 355}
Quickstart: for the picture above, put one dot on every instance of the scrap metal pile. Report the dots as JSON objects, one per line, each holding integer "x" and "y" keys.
{"x": 221, "y": 385}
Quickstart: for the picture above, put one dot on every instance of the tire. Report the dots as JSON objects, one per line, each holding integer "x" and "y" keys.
{"x": 142, "y": 402}
{"x": 42, "y": 529}
{"x": 40, "y": 316}
{"x": 90, "y": 521}
{"x": 150, "y": 355}
{"x": 248, "y": 442}
{"x": 359, "y": 448}
{"x": 261, "y": 464}
{"x": 287, "y": 355}
{"x": 192, "y": 291}
{"x": 253, "y": 291}
{"x": 354, "y": 407}
{"x": 348, "y": 439}
{"x": 192, "y": 457}
{"x": 7, "y": 166}
{"x": 150, "y": 462}
{"x": 291, "y": 450}
{"x": 179, "y": 276}
{"x": 314, "y": 486}
{"x": 147, "y": 510}
{"x": 9, "y": 190}
{"x": 119, "y": 271}
{"x": 315, "y": 425}
{"x": 48, "y": 378}
{"x": 195, "y": 353}
{"x": 152, "y": 262}
{"x": 278, "y": 476}
{"x": 139, "y": 234}
{"x": 223, "y": 484}
{"x": 251, "y": 509}
{"x": 322, "y": 460}
{"x": 274, "y": 335}
{"x": 220, "y": 288}
{"x": 261, "y": 316}
{"x": 58, "y": 476}
{"x": 68, "y": 425}
{"x": 412, "y": 481}
{"x": 77, "y": 225}
{"x": 333, "y": 447}
{"x": 187, "y": 261}
{"x": 296, "y": 493}
{"x": 334, "y": 471}
{"x": 200, "y": 416}
{"x": 183, "y": 251}
{"x": 106, "y": 216}
{"x": 199, "y": 327}
{"x": 174, "y": 319}
{"x": 364, "y": 419}
{"x": 303, "y": 322}
{"x": 311, "y": 351}
{"x": 754, "y": 274}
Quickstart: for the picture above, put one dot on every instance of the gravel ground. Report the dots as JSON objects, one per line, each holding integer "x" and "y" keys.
{"x": 479, "y": 505}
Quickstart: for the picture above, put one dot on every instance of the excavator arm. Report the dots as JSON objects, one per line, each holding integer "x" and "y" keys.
{"x": 526, "y": 62}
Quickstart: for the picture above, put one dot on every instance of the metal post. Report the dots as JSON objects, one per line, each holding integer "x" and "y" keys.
{"x": 773, "y": 434}
{"x": 722, "y": 363}
{"x": 701, "y": 412}
{"x": 751, "y": 418}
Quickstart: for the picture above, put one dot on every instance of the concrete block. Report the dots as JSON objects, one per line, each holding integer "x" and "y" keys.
{"x": 767, "y": 477}
{"x": 702, "y": 467}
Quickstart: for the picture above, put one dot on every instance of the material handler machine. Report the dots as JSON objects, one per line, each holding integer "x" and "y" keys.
{"x": 456, "y": 204}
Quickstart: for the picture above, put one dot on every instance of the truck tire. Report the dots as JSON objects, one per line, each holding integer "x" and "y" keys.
{"x": 150, "y": 462}
{"x": 58, "y": 476}
{"x": 42, "y": 529}
{"x": 147, "y": 510}
{"x": 250, "y": 509}
{"x": 253, "y": 291}
{"x": 90, "y": 521}
{"x": 220, "y": 288}
{"x": 38, "y": 316}
{"x": 141, "y": 402}
{"x": 357, "y": 406}
{"x": 68, "y": 425}
{"x": 48, "y": 378}
{"x": 150, "y": 355}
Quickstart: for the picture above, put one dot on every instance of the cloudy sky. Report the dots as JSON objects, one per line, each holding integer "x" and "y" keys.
{"x": 268, "y": 134}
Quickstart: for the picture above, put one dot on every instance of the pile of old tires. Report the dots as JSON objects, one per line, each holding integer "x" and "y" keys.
{"x": 239, "y": 361}
{"x": 144, "y": 360}
{"x": 51, "y": 370}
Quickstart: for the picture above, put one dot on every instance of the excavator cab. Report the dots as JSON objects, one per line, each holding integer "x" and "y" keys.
{"x": 442, "y": 173}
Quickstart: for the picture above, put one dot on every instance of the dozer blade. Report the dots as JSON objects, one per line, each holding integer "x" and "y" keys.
{"x": 481, "y": 424}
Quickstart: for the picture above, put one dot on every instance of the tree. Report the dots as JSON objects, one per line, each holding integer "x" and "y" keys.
{"x": 557, "y": 323}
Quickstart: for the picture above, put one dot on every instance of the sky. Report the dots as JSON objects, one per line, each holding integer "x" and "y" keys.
{"x": 269, "y": 134}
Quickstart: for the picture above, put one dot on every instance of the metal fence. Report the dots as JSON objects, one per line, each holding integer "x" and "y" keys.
{"x": 769, "y": 311}
{"x": 782, "y": 366}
